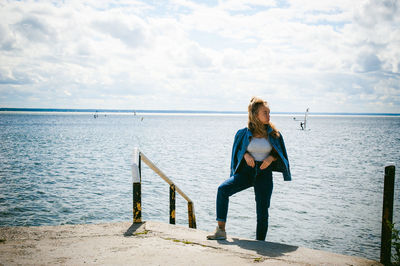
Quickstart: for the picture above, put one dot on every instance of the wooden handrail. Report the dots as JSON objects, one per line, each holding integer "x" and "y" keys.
{"x": 136, "y": 177}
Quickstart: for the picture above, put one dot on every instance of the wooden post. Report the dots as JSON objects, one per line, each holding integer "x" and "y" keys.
{"x": 137, "y": 187}
{"x": 192, "y": 217}
{"x": 137, "y": 209}
{"x": 172, "y": 204}
{"x": 387, "y": 215}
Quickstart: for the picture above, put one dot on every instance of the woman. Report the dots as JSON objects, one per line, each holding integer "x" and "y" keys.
{"x": 257, "y": 150}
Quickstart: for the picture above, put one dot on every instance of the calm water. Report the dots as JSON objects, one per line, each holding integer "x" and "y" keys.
{"x": 71, "y": 168}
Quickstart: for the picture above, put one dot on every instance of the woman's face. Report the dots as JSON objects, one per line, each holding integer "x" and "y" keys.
{"x": 263, "y": 114}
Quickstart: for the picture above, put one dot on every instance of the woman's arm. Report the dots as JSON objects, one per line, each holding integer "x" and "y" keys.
{"x": 235, "y": 147}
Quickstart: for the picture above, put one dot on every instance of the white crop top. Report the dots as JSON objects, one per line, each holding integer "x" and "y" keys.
{"x": 259, "y": 148}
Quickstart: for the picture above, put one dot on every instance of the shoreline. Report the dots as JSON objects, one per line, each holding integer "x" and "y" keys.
{"x": 299, "y": 116}
{"x": 6, "y": 110}
{"x": 150, "y": 243}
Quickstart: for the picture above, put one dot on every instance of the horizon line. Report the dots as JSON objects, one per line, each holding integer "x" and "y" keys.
{"x": 88, "y": 110}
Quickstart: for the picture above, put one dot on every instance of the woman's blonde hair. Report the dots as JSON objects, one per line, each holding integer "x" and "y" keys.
{"x": 254, "y": 124}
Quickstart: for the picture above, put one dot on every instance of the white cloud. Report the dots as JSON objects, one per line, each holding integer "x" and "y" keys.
{"x": 331, "y": 55}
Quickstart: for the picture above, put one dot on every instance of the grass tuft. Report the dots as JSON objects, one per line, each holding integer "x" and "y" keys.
{"x": 258, "y": 259}
{"x": 145, "y": 232}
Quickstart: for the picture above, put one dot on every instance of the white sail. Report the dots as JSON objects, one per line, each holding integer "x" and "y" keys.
{"x": 305, "y": 118}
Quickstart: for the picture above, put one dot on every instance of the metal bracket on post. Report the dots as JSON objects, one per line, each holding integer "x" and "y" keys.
{"x": 137, "y": 190}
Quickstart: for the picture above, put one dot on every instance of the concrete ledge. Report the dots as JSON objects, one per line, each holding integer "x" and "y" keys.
{"x": 149, "y": 243}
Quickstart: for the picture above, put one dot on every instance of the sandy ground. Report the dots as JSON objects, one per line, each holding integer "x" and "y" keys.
{"x": 149, "y": 243}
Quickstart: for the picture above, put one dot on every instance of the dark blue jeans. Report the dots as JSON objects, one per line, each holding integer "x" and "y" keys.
{"x": 247, "y": 177}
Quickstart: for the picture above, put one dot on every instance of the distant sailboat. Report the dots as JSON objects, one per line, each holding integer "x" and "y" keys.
{"x": 303, "y": 124}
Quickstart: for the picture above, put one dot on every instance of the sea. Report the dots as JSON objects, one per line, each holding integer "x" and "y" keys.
{"x": 67, "y": 167}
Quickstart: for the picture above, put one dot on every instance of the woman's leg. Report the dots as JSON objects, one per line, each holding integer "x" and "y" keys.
{"x": 263, "y": 190}
{"x": 234, "y": 184}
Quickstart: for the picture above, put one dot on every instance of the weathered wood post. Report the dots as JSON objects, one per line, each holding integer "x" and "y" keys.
{"x": 192, "y": 217}
{"x": 172, "y": 204}
{"x": 137, "y": 190}
{"x": 387, "y": 215}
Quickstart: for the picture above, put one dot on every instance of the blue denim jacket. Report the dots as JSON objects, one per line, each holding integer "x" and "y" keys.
{"x": 242, "y": 140}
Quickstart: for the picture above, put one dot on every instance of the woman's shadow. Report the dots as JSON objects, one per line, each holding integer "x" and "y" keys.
{"x": 263, "y": 248}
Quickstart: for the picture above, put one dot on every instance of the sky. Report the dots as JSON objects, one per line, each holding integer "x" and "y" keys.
{"x": 330, "y": 56}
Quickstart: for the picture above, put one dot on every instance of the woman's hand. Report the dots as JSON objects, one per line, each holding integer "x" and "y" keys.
{"x": 267, "y": 161}
{"x": 249, "y": 160}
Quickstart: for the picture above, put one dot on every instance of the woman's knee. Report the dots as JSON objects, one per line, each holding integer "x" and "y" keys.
{"x": 222, "y": 189}
{"x": 227, "y": 189}
{"x": 263, "y": 200}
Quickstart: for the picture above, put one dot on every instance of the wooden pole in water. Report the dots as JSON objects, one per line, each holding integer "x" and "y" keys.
{"x": 172, "y": 204}
{"x": 387, "y": 215}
